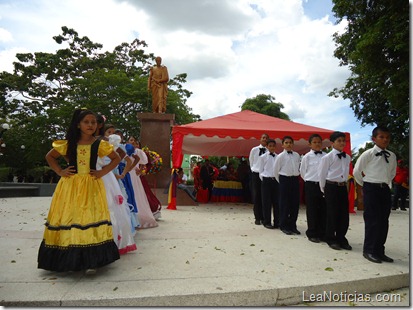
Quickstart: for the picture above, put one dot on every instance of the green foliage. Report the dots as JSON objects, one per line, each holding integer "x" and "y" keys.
{"x": 360, "y": 151}
{"x": 375, "y": 46}
{"x": 39, "y": 97}
{"x": 38, "y": 172}
{"x": 265, "y": 104}
{"x": 4, "y": 173}
{"x": 219, "y": 161}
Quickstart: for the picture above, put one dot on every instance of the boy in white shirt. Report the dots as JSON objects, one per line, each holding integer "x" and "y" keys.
{"x": 374, "y": 171}
{"x": 286, "y": 170}
{"x": 269, "y": 186}
{"x": 254, "y": 160}
{"x": 314, "y": 198}
{"x": 333, "y": 174}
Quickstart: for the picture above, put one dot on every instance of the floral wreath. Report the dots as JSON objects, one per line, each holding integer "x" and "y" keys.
{"x": 154, "y": 164}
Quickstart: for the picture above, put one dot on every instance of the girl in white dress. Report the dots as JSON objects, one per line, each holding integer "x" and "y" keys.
{"x": 117, "y": 203}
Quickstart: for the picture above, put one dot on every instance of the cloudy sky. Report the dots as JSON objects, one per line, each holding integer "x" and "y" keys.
{"x": 231, "y": 49}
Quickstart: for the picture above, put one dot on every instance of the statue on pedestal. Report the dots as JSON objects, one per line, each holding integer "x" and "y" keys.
{"x": 158, "y": 85}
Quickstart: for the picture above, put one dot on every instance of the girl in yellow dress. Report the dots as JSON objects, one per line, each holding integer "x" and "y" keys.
{"x": 78, "y": 234}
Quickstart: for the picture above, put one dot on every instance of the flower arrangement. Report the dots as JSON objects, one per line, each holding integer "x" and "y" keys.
{"x": 154, "y": 164}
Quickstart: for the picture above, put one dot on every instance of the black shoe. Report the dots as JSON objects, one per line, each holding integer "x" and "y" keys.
{"x": 394, "y": 208}
{"x": 295, "y": 231}
{"x": 334, "y": 246}
{"x": 371, "y": 257}
{"x": 315, "y": 240}
{"x": 269, "y": 226}
{"x": 346, "y": 247}
{"x": 386, "y": 259}
{"x": 257, "y": 222}
{"x": 287, "y": 232}
{"x": 403, "y": 209}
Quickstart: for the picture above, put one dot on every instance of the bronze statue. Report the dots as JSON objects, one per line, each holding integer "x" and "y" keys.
{"x": 158, "y": 85}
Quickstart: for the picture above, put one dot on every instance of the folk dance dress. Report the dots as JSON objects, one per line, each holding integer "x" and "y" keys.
{"x": 78, "y": 233}
{"x": 154, "y": 203}
{"x": 128, "y": 186}
{"x": 145, "y": 215}
{"x": 134, "y": 222}
{"x": 119, "y": 212}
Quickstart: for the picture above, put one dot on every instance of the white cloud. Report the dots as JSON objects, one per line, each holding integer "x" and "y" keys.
{"x": 5, "y": 36}
{"x": 231, "y": 49}
{"x": 219, "y": 18}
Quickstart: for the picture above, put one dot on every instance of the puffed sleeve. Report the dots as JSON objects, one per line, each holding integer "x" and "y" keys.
{"x": 105, "y": 148}
{"x": 60, "y": 146}
{"x": 143, "y": 157}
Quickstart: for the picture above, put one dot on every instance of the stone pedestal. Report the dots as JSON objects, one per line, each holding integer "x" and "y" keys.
{"x": 156, "y": 135}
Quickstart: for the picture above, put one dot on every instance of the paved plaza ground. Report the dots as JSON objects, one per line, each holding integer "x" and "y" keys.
{"x": 206, "y": 255}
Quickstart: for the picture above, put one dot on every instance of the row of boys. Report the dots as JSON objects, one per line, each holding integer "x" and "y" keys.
{"x": 275, "y": 187}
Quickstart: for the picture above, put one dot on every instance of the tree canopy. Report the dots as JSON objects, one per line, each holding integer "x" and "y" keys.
{"x": 265, "y": 104}
{"x": 39, "y": 97}
{"x": 375, "y": 47}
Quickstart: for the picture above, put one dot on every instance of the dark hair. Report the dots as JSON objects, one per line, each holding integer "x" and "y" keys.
{"x": 337, "y": 134}
{"x": 101, "y": 121}
{"x": 118, "y": 131}
{"x": 314, "y": 135}
{"x": 107, "y": 126}
{"x": 287, "y": 138}
{"x": 376, "y": 130}
{"x": 73, "y": 133}
{"x": 271, "y": 141}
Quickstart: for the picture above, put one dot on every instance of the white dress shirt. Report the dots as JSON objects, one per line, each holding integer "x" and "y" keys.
{"x": 267, "y": 165}
{"x": 254, "y": 158}
{"x": 310, "y": 166}
{"x": 334, "y": 169}
{"x": 287, "y": 164}
{"x": 374, "y": 169}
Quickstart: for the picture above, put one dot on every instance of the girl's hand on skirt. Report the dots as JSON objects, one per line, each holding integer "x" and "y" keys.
{"x": 97, "y": 173}
{"x": 67, "y": 172}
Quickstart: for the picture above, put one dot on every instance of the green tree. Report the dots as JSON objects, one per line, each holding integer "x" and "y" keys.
{"x": 375, "y": 47}
{"x": 39, "y": 97}
{"x": 356, "y": 154}
{"x": 265, "y": 104}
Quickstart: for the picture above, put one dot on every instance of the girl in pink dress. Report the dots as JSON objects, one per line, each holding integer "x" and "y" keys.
{"x": 145, "y": 215}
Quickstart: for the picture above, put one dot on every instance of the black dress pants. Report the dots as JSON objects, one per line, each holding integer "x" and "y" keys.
{"x": 337, "y": 214}
{"x": 289, "y": 201}
{"x": 256, "y": 196}
{"x": 377, "y": 204}
{"x": 269, "y": 194}
{"x": 315, "y": 210}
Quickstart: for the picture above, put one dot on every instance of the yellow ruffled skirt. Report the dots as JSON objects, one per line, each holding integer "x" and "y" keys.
{"x": 78, "y": 233}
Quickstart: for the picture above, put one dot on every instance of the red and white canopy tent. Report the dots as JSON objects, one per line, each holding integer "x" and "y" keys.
{"x": 236, "y": 133}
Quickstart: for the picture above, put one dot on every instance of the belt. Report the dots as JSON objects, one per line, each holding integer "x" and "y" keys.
{"x": 289, "y": 176}
{"x": 382, "y": 185}
{"x": 312, "y": 182}
{"x": 337, "y": 183}
{"x": 270, "y": 178}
